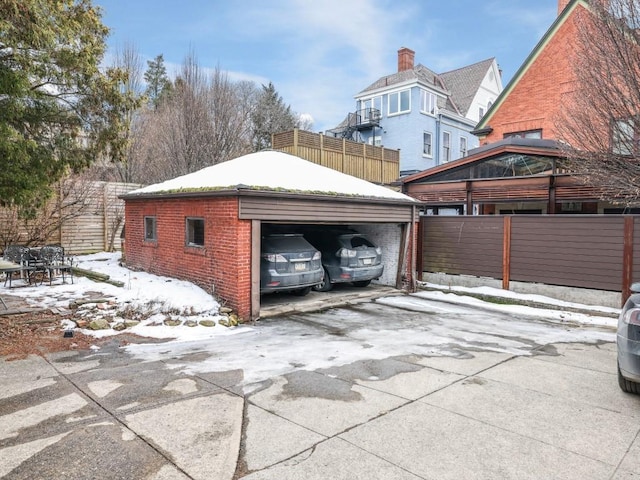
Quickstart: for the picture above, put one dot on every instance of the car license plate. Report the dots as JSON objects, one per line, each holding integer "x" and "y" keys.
{"x": 366, "y": 261}
{"x": 300, "y": 266}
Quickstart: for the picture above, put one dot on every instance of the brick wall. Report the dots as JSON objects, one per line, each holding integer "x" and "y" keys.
{"x": 541, "y": 92}
{"x": 221, "y": 267}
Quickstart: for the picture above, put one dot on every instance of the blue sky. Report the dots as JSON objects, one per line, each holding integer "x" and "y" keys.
{"x": 319, "y": 54}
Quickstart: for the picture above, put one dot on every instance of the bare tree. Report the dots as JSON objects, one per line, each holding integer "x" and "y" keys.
{"x": 204, "y": 120}
{"x": 600, "y": 118}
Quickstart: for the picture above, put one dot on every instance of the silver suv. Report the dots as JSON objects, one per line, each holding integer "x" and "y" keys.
{"x": 347, "y": 257}
{"x": 289, "y": 263}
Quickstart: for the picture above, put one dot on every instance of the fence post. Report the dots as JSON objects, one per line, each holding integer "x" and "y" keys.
{"x": 627, "y": 258}
{"x": 506, "y": 253}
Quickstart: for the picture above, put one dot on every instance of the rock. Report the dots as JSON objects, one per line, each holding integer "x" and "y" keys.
{"x": 99, "y": 324}
{"x": 191, "y": 323}
{"x": 172, "y": 323}
{"x": 225, "y": 310}
{"x": 131, "y": 323}
{"x": 119, "y": 326}
{"x": 82, "y": 323}
{"x": 233, "y": 320}
{"x": 208, "y": 323}
{"x": 224, "y": 322}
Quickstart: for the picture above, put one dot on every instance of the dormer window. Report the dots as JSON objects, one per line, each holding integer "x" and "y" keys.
{"x": 400, "y": 102}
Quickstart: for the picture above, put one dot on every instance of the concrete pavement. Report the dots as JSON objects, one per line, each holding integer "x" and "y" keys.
{"x": 473, "y": 413}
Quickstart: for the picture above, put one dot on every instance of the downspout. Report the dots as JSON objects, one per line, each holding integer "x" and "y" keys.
{"x": 437, "y": 142}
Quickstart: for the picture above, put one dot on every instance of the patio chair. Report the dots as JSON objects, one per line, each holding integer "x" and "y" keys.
{"x": 53, "y": 262}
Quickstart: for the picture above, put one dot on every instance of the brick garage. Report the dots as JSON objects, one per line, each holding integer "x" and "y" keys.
{"x": 226, "y": 261}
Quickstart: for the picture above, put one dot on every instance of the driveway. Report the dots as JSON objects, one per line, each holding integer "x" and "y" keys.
{"x": 401, "y": 388}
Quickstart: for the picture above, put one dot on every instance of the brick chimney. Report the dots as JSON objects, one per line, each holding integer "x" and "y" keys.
{"x": 405, "y": 59}
{"x": 561, "y": 5}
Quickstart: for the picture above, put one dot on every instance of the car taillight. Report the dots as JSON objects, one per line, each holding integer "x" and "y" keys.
{"x": 274, "y": 257}
{"x": 632, "y": 316}
{"x": 378, "y": 250}
{"x": 346, "y": 253}
{"x": 316, "y": 256}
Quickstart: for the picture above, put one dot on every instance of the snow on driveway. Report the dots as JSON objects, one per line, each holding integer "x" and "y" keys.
{"x": 377, "y": 330}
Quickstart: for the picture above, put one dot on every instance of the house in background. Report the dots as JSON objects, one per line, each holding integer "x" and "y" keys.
{"x": 518, "y": 168}
{"x": 428, "y": 116}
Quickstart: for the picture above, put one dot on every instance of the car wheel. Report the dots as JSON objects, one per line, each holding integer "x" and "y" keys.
{"x": 362, "y": 283}
{"x": 301, "y": 292}
{"x": 627, "y": 385}
{"x": 325, "y": 285}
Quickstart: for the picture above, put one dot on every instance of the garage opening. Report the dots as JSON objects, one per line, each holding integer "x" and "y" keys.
{"x": 354, "y": 257}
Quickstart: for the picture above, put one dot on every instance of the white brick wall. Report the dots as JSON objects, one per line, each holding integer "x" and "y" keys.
{"x": 388, "y": 237}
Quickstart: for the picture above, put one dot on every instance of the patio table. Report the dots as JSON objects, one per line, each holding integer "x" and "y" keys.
{"x": 9, "y": 268}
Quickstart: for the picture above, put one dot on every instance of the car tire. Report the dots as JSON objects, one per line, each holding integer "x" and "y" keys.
{"x": 627, "y": 386}
{"x": 301, "y": 292}
{"x": 325, "y": 285}
{"x": 362, "y": 283}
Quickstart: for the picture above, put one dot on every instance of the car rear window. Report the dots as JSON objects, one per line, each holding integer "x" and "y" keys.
{"x": 357, "y": 241}
{"x": 286, "y": 243}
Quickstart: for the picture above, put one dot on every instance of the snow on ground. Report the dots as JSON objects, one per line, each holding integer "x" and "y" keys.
{"x": 431, "y": 323}
{"x": 498, "y": 292}
{"x": 143, "y": 292}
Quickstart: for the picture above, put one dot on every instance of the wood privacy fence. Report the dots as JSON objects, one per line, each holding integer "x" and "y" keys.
{"x": 374, "y": 164}
{"x": 87, "y": 218}
{"x": 585, "y": 251}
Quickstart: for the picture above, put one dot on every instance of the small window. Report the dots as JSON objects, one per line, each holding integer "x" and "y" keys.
{"x": 150, "y": 234}
{"x": 480, "y": 112}
{"x": 195, "y": 232}
{"x": 463, "y": 146}
{"x": 624, "y": 137}
{"x": 427, "y": 102}
{"x": 524, "y": 134}
{"x": 427, "y": 141}
{"x": 399, "y": 102}
{"x": 446, "y": 147}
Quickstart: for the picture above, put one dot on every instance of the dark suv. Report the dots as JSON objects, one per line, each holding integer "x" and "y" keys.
{"x": 289, "y": 262}
{"x": 347, "y": 257}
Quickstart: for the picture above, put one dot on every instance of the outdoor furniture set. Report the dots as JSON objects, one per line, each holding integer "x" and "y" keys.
{"x": 34, "y": 265}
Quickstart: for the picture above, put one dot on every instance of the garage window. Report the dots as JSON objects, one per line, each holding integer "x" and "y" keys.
{"x": 195, "y": 232}
{"x": 150, "y": 234}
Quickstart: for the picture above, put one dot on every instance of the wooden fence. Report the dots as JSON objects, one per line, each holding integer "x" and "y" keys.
{"x": 585, "y": 251}
{"x": 374, "y": 164}
{"x": 87, "y": 217}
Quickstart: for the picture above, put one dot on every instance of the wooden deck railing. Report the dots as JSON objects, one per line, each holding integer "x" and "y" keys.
{"x": 374, "y": 164}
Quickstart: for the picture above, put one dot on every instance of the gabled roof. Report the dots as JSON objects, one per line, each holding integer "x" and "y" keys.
{"x": 483, "y": 125}
{"x": 460, "y": 85}
{"x": 463, "y": 83}
{"x": 270, "y": 171}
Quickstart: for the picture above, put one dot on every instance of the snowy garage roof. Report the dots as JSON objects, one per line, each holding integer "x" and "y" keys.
{"x": 272, "y": 171}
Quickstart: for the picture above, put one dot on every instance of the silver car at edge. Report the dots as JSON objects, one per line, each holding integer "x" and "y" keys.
{"x": 628, "y": 343}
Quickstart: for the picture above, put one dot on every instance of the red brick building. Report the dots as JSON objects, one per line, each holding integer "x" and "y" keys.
{"x": 541, "y": 87}
{"x": 205, "y": 227}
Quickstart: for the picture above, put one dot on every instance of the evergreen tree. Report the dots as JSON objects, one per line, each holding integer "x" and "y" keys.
{"x": 158, "y": 83}
{"x": 58, "y": 111}
{"x": 271, "y": 115}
